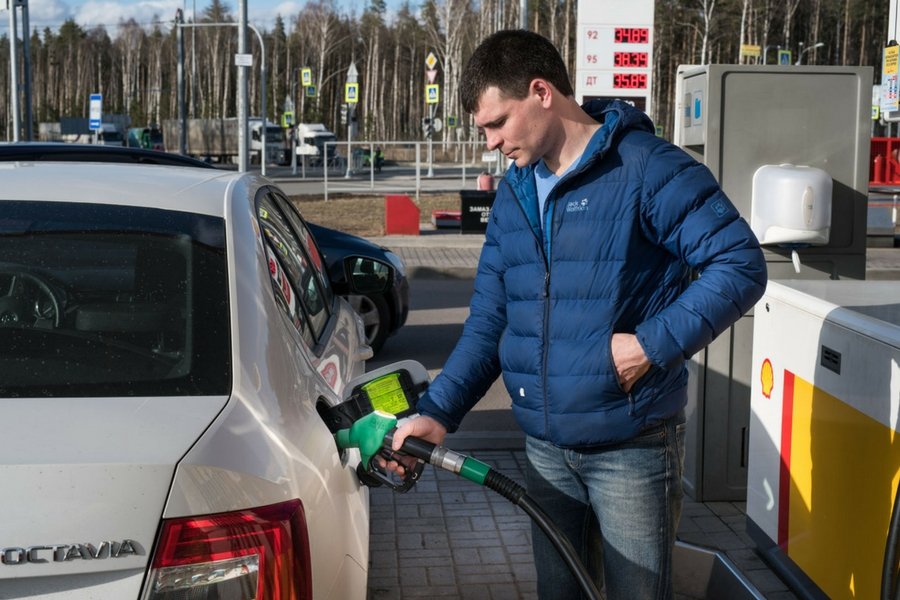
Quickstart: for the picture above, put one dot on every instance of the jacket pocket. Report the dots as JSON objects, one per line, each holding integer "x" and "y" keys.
{"x": 611, "y": 373}
{"x": 642, "y": 380}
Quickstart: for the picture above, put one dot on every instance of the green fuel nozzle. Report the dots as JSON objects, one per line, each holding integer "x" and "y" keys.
{"x": 367, "y": 434}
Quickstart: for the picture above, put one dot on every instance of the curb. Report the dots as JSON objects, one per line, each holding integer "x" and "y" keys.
{"x": 437, "y": 239}
{"x": 439, "y": 272}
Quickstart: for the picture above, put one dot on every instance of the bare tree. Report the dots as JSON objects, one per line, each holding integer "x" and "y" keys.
{"x": 790, "y": 7}
{"x": 707, "y": 9}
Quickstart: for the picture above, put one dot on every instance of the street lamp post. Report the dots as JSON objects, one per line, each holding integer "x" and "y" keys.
{"x": 805, "y": 50}
{"x": 294, "y": 125}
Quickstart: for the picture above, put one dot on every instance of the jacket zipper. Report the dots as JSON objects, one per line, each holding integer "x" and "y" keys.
{"x": 544, "y": 251}
{"x": 546, "y": 348}
{"x": 546, "y": 294}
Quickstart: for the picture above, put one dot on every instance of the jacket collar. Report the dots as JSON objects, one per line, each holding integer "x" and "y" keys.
{"x": 616, "y": 117}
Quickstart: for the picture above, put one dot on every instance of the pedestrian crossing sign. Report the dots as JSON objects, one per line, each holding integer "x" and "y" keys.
{"x": 351, "y": 93}
{"x": 432, "y": 93}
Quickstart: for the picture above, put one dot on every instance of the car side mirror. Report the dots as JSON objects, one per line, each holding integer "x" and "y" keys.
{"x": 367, "y": 275}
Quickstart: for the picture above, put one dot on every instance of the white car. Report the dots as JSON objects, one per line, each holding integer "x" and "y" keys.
{"x": 168, "y": 336}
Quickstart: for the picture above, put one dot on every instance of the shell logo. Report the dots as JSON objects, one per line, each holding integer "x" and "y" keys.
{"x": 767, "y": 378}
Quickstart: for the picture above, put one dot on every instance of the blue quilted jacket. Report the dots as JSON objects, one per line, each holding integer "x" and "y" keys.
{"x": 624, "y": 231}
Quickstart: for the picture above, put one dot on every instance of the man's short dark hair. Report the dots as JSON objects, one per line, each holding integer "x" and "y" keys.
{"x": 510, "y": 60}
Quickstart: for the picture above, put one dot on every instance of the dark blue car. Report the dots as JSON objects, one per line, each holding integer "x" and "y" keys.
{"x": 382, "y": 313}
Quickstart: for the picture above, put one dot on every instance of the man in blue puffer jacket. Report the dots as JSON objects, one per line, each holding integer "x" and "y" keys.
{"x": 585, "y": 302}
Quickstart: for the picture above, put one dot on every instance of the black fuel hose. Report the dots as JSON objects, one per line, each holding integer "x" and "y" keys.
{"x": 482, "y": 474}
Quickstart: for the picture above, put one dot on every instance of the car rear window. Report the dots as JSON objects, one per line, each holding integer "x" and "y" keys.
{"x": 103, "y": 300}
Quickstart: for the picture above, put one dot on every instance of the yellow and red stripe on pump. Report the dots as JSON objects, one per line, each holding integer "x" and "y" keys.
{"x": 839, "y": 470}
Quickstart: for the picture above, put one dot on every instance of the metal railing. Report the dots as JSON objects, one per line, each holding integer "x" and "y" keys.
{"x": 407, "y": 166}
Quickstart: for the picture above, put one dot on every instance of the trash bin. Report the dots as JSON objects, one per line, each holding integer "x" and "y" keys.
{"x": 475, "y": 206}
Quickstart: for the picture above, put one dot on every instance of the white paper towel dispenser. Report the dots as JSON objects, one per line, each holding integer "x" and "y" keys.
{"x": 791, "y": 205}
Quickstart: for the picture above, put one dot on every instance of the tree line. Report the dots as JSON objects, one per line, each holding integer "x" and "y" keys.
{"x": 135, "y": 69}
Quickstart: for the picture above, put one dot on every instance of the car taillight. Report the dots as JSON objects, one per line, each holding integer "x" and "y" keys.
{"x": 259, "y": 554}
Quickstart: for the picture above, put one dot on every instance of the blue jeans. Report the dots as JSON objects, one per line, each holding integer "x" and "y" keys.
{"x": 619, "y": 505}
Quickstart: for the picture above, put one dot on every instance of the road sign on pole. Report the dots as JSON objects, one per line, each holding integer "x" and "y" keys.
{"x": 96, "y": 111}
{"x": 306, "y": 76}
{"x": 432, "y": 93}
{"x": 351, "y": 97}
{"x": 351, "y": 93}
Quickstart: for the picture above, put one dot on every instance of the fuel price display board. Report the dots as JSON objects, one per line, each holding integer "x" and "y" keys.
{"x": 615, "y": 51}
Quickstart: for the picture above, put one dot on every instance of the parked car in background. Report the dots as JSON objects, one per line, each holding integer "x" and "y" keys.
{"x": 383, "y": 313}
{"x": 167, "y": 338}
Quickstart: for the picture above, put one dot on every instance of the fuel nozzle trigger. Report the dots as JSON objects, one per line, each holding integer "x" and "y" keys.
{"x": 369, "y": 435}
{"x": 376, "y": 476}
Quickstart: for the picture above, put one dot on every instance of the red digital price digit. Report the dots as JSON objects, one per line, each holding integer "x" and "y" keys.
{"x": 630, "y": 59}
{"x": 632, "y": 35}
{"x": 630, "y": 80}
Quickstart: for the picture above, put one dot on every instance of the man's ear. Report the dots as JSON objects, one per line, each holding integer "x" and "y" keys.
{"x": 543, "y": 90}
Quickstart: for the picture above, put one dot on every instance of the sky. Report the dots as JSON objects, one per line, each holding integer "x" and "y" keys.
{"x": 52, "y": 13}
